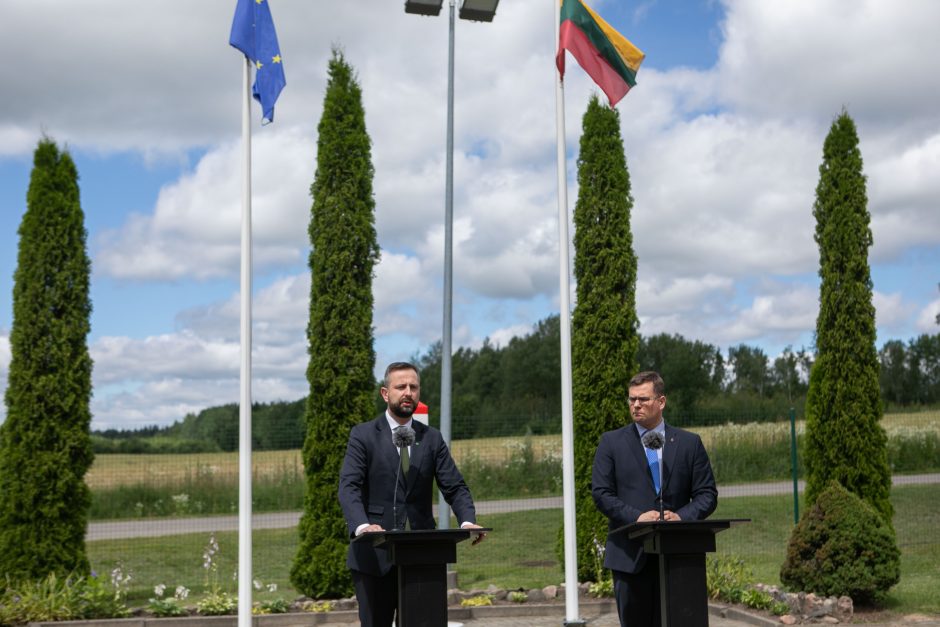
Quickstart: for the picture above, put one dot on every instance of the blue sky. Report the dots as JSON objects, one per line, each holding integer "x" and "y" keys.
{"x": 723, "y": 137}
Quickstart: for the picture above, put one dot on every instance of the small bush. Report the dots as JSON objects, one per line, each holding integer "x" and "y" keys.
{"x": 217, "y": 604}
{"x": 726, "y": 577}
{"x": 319, "y": 607}
{"x": 603, "y": 584}
{"x": 163, "y": 607}
{"x": 273, "y": 606}
{"x": 477, "y": 601}
{"x": 517, "y": 596}
{"x": 842, "y": 546}
{"x": 69, "y": 598}
{"x": 729, "y": 579}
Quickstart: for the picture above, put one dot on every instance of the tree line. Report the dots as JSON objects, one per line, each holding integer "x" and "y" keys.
{"x": 516, "y": 389}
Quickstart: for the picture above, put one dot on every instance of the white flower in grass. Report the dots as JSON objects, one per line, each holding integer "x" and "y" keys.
{"x": 181, "y": 593}
{"x": 256, "y": 583}
{"x": 272, "y": 587}
{"x": 159, "y": 589}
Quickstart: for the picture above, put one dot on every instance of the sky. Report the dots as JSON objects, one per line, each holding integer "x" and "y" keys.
{"x": 723, "y": 137}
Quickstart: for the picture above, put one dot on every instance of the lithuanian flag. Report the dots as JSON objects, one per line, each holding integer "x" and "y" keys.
{"x": 606, "y": 55}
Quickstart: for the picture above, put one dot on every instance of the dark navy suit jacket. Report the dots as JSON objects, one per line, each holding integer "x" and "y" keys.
{"x": 622, "y": 486}
{"x": 367, "y": 489}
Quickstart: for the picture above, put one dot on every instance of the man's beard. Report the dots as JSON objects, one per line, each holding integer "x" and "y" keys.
{"x": 398, "y": 410}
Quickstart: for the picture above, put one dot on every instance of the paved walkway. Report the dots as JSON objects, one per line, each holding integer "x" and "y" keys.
{"x": 555, "y": 617}
{"x": 610, "y": 620}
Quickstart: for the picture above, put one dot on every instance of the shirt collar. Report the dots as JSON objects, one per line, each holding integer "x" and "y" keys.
{"x": 660, "y": 429}
{"x": 393, "y": 424}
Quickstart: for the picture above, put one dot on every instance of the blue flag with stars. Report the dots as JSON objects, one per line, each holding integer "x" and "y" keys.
{"x": 253, "y": 34}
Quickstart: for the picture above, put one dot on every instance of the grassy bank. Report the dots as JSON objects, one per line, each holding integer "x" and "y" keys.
{"x": 520, "y": 552}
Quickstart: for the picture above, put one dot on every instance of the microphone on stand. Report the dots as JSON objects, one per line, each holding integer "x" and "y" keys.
{"x": 401, "y": 437}
{"x": 654, "y": 441}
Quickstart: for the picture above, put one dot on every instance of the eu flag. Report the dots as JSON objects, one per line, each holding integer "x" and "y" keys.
{"x": 253, "y": 34}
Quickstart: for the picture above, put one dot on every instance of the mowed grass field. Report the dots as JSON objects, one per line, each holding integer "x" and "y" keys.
{"x": 114, "y": 470}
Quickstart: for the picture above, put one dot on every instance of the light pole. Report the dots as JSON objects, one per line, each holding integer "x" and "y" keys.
{"x": 478, "y": 11}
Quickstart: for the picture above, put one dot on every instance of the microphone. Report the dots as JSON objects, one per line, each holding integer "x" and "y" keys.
{"x": 653, "y": 440}
{"x": 401, "y": 437}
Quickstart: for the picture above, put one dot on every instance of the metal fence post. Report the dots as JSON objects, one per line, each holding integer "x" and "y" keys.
{"x": 796, "y": 490}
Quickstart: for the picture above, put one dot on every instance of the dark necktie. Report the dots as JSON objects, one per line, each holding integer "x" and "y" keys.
{"x": 405, "y": 458}
{"x": 405, "y": 465}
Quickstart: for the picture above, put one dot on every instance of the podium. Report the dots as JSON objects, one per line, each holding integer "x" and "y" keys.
{"x": 681, "y": 546}
{"x": 421, "y": 557}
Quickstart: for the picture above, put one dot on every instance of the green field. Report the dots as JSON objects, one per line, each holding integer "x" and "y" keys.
{"x": 149, "y": 485}
{"x": 520, "y": 551}
{"x": 110, "y": 470}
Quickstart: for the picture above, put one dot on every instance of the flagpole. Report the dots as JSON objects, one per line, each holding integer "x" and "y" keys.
{"x": 567, "y": 421}
{"x": 244, "y": 413}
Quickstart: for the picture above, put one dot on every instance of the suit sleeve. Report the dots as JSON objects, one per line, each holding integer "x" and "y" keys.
{"x": 352, "y": 478}
{"x": 703, "y": 493}
{"x": 452, "y": 486}
{"x": 604, "y": 486}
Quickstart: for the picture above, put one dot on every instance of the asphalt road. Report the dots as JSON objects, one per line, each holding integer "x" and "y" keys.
{"x": 153, "y": 527}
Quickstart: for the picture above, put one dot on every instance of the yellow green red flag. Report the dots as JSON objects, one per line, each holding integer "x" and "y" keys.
{"x": 607, "y": 56}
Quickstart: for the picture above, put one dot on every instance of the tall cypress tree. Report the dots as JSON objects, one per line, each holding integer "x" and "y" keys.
{"x": 845, "y": 441}
{"x": 45, "y": 444}
{"x": 339, "y": 333}
{"x": 604, "y": 338}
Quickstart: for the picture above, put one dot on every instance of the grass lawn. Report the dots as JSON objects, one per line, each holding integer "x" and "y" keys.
{"x": 762, "y": 543}
{"x": 520, "y": 552}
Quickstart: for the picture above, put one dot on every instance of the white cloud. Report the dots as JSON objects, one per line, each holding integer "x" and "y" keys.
{"x": 927, "y": 318}
{"x": 195, "y": 228}
{"x": 890, "y": 309}
{"x": 502, "y": 337}
{"x": 806, "y": 58}
{"x": 723, "y": 163}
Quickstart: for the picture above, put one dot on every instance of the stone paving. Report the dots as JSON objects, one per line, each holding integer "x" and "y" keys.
{"x": 732, "y": 617}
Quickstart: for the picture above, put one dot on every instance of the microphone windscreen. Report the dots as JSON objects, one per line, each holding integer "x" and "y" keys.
{"x": 653, "y": 440}
{"x": 403, "y": 436}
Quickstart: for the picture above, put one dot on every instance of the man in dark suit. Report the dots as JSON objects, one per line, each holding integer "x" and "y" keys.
{"x": 625, "y": 490}
{"x": 371, "y": 500}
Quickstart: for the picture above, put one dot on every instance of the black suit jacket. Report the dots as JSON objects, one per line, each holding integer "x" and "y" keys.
{"x": 622, "y": 486}
{"x": 367, "y": 489}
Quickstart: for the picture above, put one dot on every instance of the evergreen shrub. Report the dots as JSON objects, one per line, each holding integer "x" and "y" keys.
{"x": 842, "y": 546}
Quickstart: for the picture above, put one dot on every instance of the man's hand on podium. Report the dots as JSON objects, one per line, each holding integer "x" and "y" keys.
{"x": 653, "y": 516}
{"x": 479, "y": 536}
{"x": 368, "y": 529}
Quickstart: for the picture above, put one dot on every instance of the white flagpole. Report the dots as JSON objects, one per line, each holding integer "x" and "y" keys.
{"x": 244, "y": 413}
{"x": 567, "y": 420}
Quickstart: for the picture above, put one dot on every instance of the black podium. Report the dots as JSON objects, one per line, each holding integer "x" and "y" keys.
{"x": 422, "y": 557}
{"x": 681, "y": 546}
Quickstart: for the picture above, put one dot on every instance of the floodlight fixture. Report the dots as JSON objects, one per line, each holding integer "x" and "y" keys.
{"x": 478, "y": 10}
{"x": 424, "y": 7}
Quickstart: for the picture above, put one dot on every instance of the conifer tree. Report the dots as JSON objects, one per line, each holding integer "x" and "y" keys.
{"x": 45, "y": 443}
{"x": 339, "y": 333}
{"x": 604, "y": 336}
{"x": 845, "y": 441}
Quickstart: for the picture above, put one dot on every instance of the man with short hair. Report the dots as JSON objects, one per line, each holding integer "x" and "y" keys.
{"x": 372, "y": 501}
{"x": 626, "y": 491}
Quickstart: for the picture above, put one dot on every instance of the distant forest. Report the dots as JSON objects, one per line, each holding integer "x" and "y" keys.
{"x": 515, "y": 389}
